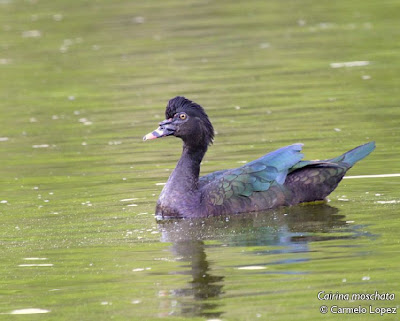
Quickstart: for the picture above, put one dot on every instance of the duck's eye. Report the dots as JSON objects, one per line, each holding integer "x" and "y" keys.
{"x": 182, "y": 116}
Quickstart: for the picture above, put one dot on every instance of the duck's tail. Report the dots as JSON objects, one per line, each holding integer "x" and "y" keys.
{"x": 314, "y": 180}
{"x": 353, "y": 156}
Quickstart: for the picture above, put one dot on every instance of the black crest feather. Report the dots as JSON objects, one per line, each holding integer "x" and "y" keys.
{"x": 182, "y": 104}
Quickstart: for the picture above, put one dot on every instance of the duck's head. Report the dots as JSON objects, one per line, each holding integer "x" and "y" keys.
{"x": 187, "y": 120}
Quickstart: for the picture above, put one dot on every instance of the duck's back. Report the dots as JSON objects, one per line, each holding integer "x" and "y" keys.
{"x": 276, "y": 179}
{"x": 255, "y": 186}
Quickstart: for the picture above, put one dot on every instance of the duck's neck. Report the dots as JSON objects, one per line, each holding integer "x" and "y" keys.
{"x": 186, "y": 173}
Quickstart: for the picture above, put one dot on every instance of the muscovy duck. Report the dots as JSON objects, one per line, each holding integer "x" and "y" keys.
{"x": 280, "y": 178}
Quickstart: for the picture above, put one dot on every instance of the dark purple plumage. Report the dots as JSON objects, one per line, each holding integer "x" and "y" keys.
{"x": 279, "y": 178}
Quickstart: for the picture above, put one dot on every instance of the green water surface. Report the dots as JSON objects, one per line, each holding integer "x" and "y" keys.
{"x": 82, "y": 81}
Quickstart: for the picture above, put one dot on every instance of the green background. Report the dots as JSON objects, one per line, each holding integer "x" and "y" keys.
{"x": 82, "y": 81}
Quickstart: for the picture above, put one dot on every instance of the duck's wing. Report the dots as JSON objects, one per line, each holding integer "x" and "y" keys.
{"x": 204, "y": 180}
{"x": 256, "y": 176}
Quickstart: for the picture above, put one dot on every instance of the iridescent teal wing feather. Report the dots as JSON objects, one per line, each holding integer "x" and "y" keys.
{"x": 257, "y": 176}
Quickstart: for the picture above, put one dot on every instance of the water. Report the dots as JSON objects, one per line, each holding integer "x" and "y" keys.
{"x": 82, "y": 83}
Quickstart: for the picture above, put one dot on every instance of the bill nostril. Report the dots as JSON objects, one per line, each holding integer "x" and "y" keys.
{"x": 166, "y": 122}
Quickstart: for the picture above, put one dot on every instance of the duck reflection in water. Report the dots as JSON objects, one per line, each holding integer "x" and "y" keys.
{"x": 289, "y": 229}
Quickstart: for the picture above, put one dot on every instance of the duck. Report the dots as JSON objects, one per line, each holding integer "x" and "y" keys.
{"x": 279, "y": 178}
